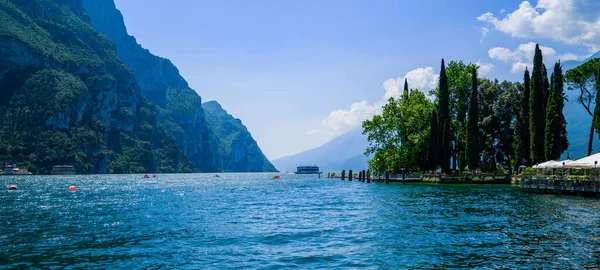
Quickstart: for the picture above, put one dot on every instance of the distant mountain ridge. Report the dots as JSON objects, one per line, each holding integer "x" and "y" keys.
{"x": 341, "y": 153}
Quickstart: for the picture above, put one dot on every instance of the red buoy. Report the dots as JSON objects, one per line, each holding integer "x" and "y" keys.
{"x": 12, "y": 187}
{"x": 72, "y": 188}
{"x": 277, "y": 177}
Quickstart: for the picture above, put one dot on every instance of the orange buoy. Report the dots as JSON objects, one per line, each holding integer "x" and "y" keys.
{"x": 72, "y": 188}
{"x": 12, "y": 187}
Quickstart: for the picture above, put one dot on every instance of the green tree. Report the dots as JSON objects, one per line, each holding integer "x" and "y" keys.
{"x": 556, "y": 125}
{"x": 459, "y": 87}
{"x": 473, "y": 128}
{"x": 399, "y": 119}
{"x": 434, "y": 142}
{"x": 497, "y": 114}
{"x": 405, "y": 93}
{"x": 536, "y": 104}
{"x": 523, "y": 124}
{"x": 585, "y": 78}
{"x": 444, "y": 118}
{"x": 506, "y": 111}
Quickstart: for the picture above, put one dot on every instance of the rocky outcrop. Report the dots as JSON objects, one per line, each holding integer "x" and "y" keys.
{"x": 238, "y": 149}
{"x": 181, "y": 107}
{"x": 66, "y": 97}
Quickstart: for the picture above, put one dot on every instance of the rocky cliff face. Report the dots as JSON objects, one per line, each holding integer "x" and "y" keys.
{"x": 238, "y": 149}
{"x": 181, "y": 110}
{"x": 159, "y": 80}
{"x": 66, "y": 97}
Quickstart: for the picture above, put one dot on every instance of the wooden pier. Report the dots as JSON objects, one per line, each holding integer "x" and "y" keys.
{"x": 561, "y": 185}
{"x": 435, "y": 178}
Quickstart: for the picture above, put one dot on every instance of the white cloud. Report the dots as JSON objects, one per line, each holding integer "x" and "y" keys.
{"x": 523, "y": 56}
{"x": 502, "y": 11}
{"x": 421, "y": 78}
{"x": 571, "y": 22}
{"x": 340, "y": 121}
{"x": 518, "y": 67}
{"x": 484, "y": 33}
{"x": 484, "y": 68}
{"x": 343, "y": 120}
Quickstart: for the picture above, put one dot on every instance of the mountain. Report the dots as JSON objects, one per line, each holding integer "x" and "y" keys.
{"x": 341, "y": 153}
{"x": 180, "y": 107}
{"x": 66, "y": 97}
{"x": 238, "y": 149}
{"x": 76, "y": 89}
{"x": 573, "y": 63}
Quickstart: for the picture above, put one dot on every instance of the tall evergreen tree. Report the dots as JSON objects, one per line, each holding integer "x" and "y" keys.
{"x": 546, "y": 89}
{"x": 556, "y": 126}
{"x": 434, "y": 142}
{"x": 473, "y": 155}
{"x": 406, "y": 93}
{"x": 536, "y": 104}
{"x": 524, "y": 123}
{"x": 444, "y": 115}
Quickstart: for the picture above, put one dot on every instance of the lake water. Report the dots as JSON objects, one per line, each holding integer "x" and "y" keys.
{"x": 252, "y": 221}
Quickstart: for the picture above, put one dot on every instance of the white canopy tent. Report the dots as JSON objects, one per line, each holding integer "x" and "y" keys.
{"x": 588, "y": 162}
{"x": 544, "y": 164}
{"x": 558, "y": 164}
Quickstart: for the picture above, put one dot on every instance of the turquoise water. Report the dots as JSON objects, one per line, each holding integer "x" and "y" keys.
{"x": 251, "y": 221}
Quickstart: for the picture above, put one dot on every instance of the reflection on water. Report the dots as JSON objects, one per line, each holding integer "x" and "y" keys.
{"x": 251, "y": 220}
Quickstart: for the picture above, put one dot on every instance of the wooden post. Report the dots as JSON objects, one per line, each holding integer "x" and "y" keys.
{"x": 362, "y": 174}
{"x": 368, "y": 176}
{"x": 359, "y": 176}
{"x": 387, "y": 177}
{"x": 350, "y": 175}
{"x": 343, "y": 175}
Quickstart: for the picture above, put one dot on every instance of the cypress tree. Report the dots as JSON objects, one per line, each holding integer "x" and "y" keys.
{"x": 546, "y": 89}
{"x": 434, "y": 147}
{"x": 536, "y": 105}
{"x": 444, "y": 115}
{"x": 472, "y": 127}
{"x": 405, "y": 94}
{"x": 556, "y": 133}
{"x": 524, "y": 138}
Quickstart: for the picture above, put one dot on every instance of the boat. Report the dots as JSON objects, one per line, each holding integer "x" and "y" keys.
{"x": 308, "y": 170}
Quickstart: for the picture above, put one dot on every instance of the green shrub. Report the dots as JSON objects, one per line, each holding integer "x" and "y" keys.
{"x": 529, "y": 171}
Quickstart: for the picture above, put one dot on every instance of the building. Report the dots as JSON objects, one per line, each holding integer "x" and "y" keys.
{"x": 12, "y": 169}
{"x": 63, "y": 169}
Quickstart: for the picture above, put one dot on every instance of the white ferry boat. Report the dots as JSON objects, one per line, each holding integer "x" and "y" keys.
{"x": 308, "y": 170}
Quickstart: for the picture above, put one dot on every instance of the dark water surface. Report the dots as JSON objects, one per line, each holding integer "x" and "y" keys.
{"x": 251, "y": 221}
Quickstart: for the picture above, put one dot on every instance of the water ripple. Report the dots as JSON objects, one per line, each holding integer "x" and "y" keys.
{"x": 251, "y": 221}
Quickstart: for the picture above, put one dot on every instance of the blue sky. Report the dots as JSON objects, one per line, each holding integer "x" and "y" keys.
{"x": 299, "y": 73}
